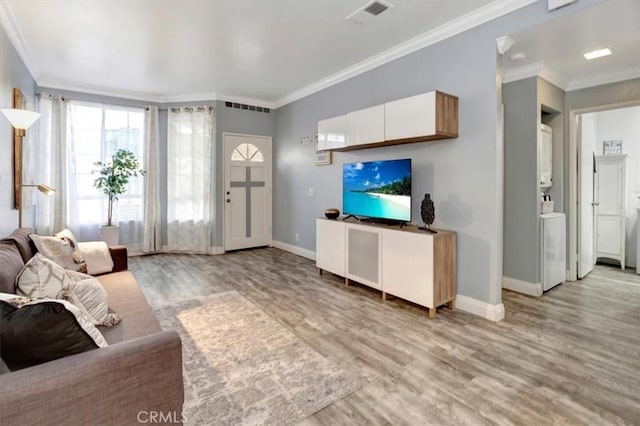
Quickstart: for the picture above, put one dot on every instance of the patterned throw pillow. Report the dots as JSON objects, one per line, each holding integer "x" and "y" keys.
{"x": 62, "y": 248}
{"x": 42, "y": 278}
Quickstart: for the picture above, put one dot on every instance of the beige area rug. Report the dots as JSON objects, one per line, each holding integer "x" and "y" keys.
{"x": 243, "y": 367}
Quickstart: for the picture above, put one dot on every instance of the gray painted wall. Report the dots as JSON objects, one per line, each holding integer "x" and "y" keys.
{"x": 523, "y": 101}
{"x": 13, "y": 73}
{"x": 521, "y": 189}
{"x": 461, "y": 174}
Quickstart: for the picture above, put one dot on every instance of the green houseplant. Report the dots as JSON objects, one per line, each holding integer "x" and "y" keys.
{"x": 113, "y": 176}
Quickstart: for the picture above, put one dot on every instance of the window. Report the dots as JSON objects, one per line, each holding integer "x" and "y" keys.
{"x": 96, "y": 133}
{"x": 247, "y": 152}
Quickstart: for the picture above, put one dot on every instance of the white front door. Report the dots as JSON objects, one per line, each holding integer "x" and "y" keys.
{"x": 247, "y": 191}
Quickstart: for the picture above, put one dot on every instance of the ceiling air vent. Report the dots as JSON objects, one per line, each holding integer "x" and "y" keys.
{"x": 376, "y": 8}
{"x": 246, "y": 107}
{"x": 369, "y": 11}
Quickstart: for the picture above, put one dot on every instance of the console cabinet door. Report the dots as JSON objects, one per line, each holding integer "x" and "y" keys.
{"x": 410, "y": 117}
{"x": 330, "y": 246}
{"x": 407, "y": 266}
{"x": 364, "y": 253}
{"x": 365, "y": 126}
{"x": 332, "y": 133}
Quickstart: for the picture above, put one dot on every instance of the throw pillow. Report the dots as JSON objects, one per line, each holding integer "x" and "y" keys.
{"x": 42, "y": 331}
{"x": 98, "y": 257}
{"x": 42, "y": 278}
{"x": 62, "y": 250}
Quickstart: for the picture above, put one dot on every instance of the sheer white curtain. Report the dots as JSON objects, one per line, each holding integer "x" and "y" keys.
{"x": 151, "y": 222}
{"x": 190, "y": 179}
{"x": 74, "y": 135}
{"x": 55, "y": 163}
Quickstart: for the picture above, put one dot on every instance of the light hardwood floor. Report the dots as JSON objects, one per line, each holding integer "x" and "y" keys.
{"x": 569, "y": 357}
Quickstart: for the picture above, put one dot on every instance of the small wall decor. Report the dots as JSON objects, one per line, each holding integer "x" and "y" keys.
{"x": 320, "y": 157}
{"x": 612, "y": 147}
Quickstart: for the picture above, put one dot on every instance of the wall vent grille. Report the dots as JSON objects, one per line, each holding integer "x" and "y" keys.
{"x": 246, "y": 107}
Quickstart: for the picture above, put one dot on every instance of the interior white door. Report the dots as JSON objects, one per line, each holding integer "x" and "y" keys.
{"x": 586, "y": 167}
{"x": 247, "y": 191}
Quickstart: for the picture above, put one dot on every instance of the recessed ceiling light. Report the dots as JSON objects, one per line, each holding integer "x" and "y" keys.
{"x": 597, "y": 54}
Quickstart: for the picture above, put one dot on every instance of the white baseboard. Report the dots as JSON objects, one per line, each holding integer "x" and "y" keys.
{"x": 525, "y": 287}
{"x": 295, "y": 249}
{"x": 212, "y": 250}
{"x": 480, "y": 308}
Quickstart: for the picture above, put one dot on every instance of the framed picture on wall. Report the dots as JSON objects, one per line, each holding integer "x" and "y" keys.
{"x": 612, "y": 147}
{"x": 320, "y": 157}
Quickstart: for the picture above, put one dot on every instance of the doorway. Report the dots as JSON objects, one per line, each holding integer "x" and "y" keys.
{"x": 247, "y": 191}
{"x": 606, "y": 182}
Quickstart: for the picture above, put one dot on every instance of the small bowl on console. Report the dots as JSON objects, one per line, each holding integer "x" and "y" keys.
{"x": 332, "y": 213}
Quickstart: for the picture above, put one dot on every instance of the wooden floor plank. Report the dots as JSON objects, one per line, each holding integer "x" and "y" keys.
{"x": 571, "y": 356}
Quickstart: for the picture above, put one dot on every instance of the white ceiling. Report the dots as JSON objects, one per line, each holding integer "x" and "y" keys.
{"x": 272, "y": 52}
{"x": 268, "y": 52}
{"x": 554, "y": 49}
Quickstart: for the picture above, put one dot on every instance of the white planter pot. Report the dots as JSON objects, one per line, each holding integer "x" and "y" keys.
{"x": 110, "y": 235}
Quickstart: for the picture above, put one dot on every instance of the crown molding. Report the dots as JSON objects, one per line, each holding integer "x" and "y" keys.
{"x": 100, "y": 90}
{"x": 472, "y": 19}
{"x": 8, "y": 22}
{"x": 628, "y": 73}
{"x": 554, "y": 77}
{"x": 149, "y": 97}
{"x": 522, "y": 72}
{"x": 535, "y": 69}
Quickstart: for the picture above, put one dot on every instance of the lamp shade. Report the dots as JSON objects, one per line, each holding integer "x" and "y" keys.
{"x": 20, "y": 118}
{"x": 46, "y": 189}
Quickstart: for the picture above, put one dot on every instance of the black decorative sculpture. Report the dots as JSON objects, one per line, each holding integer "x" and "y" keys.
{"x": 428, "y": 213}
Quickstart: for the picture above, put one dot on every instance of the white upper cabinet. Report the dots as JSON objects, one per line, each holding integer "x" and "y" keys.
{"x": 410, "y": 117}
{"x": 332, "y": 133}
{"x": 427, "y": 117}
{"x": 365, "y": 126}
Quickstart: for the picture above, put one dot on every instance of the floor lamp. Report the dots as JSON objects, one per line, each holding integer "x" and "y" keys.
{"x": 21, "y": 120}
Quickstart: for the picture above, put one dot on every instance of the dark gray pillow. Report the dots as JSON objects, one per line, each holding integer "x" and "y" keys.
{"x": 10, "y": 265}
{"x": 38, "y": 333}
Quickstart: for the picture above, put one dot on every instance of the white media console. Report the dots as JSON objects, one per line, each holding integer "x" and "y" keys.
{"x": 407, "y": 262}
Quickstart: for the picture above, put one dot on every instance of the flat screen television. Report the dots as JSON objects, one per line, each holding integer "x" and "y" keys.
{"x": 377, "y": 190}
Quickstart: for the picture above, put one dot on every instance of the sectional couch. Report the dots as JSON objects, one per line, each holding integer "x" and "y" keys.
{"x": 136, "y": 378}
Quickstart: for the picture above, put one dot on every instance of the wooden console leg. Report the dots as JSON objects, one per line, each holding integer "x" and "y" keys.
{"x": 432, "y": 313}
{"x": 384, "y": 296}
{"x": 452, "y": 304}
{"x": 346, "y": 281}
{"x": 319, "y": 271}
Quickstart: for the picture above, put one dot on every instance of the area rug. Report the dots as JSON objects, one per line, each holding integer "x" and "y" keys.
{"x": 242, "y": 367}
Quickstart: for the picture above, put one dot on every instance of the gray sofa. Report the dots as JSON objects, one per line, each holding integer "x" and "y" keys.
{"x": 137, "y": 375}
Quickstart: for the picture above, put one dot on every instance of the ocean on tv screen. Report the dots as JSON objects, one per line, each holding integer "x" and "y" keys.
{"x": 380, "y": 189}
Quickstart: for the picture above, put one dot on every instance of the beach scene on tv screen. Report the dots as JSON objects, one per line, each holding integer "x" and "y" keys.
{"x": 380, "y": 189}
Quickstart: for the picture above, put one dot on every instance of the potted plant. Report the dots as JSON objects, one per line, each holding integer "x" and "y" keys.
{"x": 113, "y": 178}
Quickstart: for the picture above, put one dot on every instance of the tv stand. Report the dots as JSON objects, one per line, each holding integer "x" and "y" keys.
{"x": 351, "y": 216}
{"x": 388, "y": 222}
{"x": 407, "y": 263}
